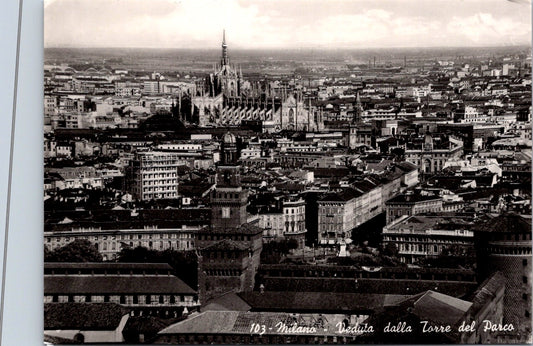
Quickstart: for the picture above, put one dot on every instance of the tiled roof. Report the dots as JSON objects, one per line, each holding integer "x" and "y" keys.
{"x": 106, "y": 265}
{"x": 153, "y": 284}
{"x": 342, "y": 196}
{"x": 318, "y": 301}
{"x": 363, "y": 285}
{"x": 145, "y": 325}
{"x": 227, "y": 302}
{"x": 440, "y": 308}
{"x": 413, "y": 198}
{"x": 228, "y": 245}
{"x": 239, "y": 322}
{"x": 510, "y": 222}
{"x": 205, "y": 322}
{"x": 486, "y": 292}
{"x": 246, "y": 229}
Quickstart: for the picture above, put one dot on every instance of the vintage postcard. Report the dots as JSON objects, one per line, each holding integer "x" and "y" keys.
{"x": 270, "y": 172}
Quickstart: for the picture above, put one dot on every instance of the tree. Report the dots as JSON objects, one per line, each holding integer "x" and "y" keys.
{"x": 80, "y": 250}
{"x": 184, "y": 263}
{"x": 390, "y": 250}
{"x": 292, "y": 244}
{"x": 275, "y": 250}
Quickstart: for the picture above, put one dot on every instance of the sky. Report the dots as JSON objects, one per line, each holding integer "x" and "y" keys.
{"x": 253, "y": 24}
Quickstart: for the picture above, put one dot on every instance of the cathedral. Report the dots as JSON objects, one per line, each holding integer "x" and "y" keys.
{"x": 224, "y": 98}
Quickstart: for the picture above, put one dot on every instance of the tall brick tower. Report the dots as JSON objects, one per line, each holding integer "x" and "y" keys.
{"x": 228, "y": 200}
{"x": 503, "y": 243}
{"x": 230, "y": 248}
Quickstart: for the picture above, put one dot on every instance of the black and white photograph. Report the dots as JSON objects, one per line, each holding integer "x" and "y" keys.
{"x": 287, "y": 172}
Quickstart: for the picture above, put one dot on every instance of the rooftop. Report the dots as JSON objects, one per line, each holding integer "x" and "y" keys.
{"x": 509, "y": 222}
{"x": 325, "y": 302}
{"x": 99, "y": 285}
{"x": 412, "y": 198}
{"x": 239, "y": 322}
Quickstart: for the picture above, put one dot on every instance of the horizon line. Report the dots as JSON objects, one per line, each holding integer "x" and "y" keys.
{"x": 294, "y": 48}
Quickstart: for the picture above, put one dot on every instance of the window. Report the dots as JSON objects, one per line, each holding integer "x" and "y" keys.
{"x": 524, "y": 279}
{"x": 135, "y": 299}
{"x": 226, "y": 213}
{"x": 161, "y": 300}
{"x": 148, "y": 299}
{"x": 524, "y": 262}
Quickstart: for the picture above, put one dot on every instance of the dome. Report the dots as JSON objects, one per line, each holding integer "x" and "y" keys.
{"x": 229, "y": 138}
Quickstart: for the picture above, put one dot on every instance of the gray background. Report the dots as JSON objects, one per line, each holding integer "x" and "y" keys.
{"x": 22, "y": 318}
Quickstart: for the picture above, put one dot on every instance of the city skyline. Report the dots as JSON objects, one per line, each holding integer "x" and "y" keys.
{"x": 282, "y": 24}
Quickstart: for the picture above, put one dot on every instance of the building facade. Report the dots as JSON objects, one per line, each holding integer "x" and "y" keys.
{"x": 148, "y": 288}
{"x": 431, "y": 158}
{"x": 109, "y": 242}
{"x": 154, "y": 175}
{"x": 411, "y": 204}
{"x": 417, "y": 237}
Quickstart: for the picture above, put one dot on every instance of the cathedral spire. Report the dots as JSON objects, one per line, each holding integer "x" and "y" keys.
{"x": 358, "y": 111}
{"x": 224, "y": 61}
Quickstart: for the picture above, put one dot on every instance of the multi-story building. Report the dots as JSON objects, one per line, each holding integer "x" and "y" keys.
{"x": 128, "y": 88}
{"x": 77, "y": 178}
{"x": 294, "y": 220}
{"x": 370, "y": 203}
{"x": 430, "y": 157}
{"x": 142, "y": 287}
{"x": 471, "y": 114}
{"x": 361, "y": 134}
{"x": 109, "y": 242}
{"x": 411, "y": 204}
{"x": 272, "y": 224}
{"x": 419, "y": 236}
{"x": 151, "y": 87}
{"x": 154, "y": 175}
{"x": 336, "y": 216}
{"x": 284, "y": 220}
{"x": 50, "y": 105}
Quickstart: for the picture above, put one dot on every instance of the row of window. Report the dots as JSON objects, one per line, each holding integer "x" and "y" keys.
{"x": 126, "y": 237}
{"x": 511, "y": 236}
{"x": 227, "y": 195}
{"x": 300, "y": 210}
{"x": 222, "y": 237}
{"x": 425, "y": 240}
{"x": 112, "y": 246}
{"x": 159, "y": 195}
{"x": 121, "y": 299}
{"x": 161, "y": 172}
{"x": 159, "y": 182}
{"x": 420, "y": 248}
